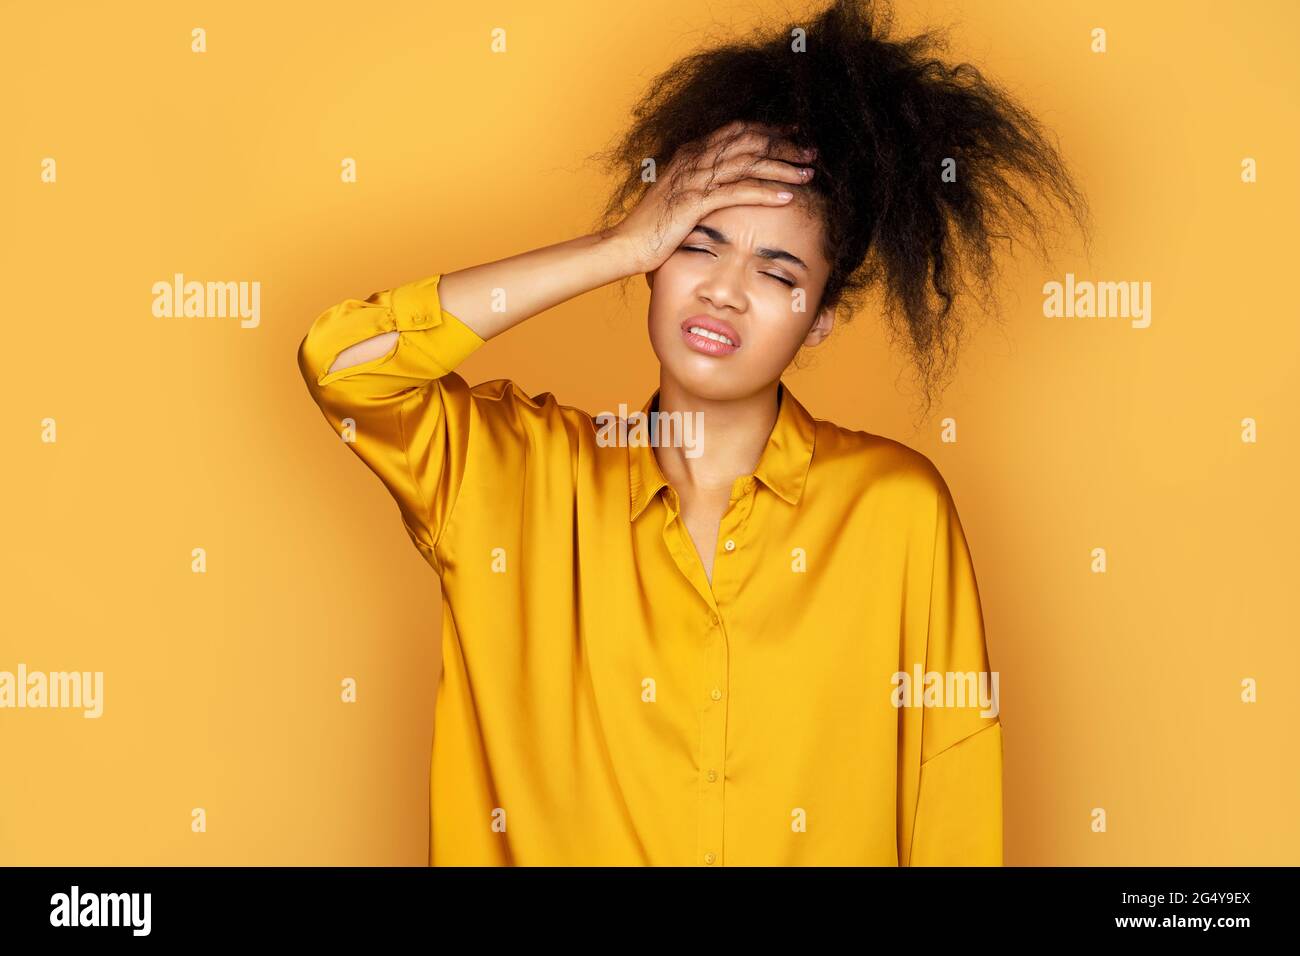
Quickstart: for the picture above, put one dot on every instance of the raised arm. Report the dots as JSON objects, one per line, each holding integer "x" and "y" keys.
{"x": 496, "y": 296}
{"x": 382, "y": 369}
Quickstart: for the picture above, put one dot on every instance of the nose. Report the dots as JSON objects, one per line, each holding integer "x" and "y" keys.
{"x": 723, "y": 286}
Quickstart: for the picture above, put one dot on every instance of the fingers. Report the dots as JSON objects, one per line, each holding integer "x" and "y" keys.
{"x": 747, "y": 167}
{"x": 750, "y": 139}
{"x": 747, "y": 135}
{"x": 751, "y": 191}
{"x": 751, "y": 136}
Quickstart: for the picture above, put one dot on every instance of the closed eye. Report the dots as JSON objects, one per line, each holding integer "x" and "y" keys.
{"x": 781, "y": 279}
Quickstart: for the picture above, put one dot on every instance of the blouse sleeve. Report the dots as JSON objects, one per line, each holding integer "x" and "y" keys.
{"x": 957, "y": 817}
{"x": 406, "y": 413}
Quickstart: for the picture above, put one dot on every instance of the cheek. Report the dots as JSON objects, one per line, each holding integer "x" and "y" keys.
{"x": 783, "y": 309}
{"x": 781, "y": 338}
{"x": 672, "y": 292}
{"x": 677, "y": 273}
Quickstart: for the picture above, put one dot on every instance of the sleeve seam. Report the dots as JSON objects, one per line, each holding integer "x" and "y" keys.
{"x": 929, "y": 605}
{"x": 929, "y": 620}
{"x": 453, "y": 484}
{"x": 973, "y": 733}
{"x": 425, "y": 504}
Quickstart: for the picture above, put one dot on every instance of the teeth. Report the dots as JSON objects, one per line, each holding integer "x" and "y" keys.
{"x": 711, "y": 335}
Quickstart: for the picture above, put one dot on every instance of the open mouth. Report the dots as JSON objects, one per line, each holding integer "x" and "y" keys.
{"x": 709, "y": 336}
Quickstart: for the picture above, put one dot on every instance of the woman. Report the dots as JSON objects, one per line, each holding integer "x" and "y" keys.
{"x": 745, "y": 650}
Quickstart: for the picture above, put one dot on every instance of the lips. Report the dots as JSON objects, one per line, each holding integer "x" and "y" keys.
{"x": 713, "y": 325}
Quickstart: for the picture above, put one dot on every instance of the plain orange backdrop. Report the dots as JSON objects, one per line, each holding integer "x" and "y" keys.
{"x": 1120, "y": 690}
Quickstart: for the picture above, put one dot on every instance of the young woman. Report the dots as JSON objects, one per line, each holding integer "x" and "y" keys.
{"x": 764, "y": 647}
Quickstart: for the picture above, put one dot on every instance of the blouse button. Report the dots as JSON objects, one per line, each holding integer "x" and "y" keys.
{"x": 709, "y": 858}
{"x": 713, "y": 618}
{"x": 713, "y": 775}
{"x": 730, "y": 545}
{"x": 717, "y": 694}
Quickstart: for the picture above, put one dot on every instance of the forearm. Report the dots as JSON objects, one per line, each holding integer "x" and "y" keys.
{"x": 496, "y": 296}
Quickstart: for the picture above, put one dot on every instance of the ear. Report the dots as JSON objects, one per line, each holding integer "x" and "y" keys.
{"x": 821, "y": 327}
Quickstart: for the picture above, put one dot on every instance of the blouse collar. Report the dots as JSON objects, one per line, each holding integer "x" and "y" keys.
{"x": 783, "y": 465}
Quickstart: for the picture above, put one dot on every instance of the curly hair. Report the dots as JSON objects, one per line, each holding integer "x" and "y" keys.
{"x": 920, "y": 164}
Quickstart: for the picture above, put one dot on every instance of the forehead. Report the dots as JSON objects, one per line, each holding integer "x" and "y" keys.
{"x": 785, "y": 227}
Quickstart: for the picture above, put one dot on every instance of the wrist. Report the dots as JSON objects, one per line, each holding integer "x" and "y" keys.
{"x": 621, "y": 253}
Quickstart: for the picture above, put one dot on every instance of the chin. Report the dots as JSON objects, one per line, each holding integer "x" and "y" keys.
{"x": 706, "y": 380}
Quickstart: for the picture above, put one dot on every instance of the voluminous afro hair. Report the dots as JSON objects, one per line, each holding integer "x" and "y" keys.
{"x": 887, "y": 117}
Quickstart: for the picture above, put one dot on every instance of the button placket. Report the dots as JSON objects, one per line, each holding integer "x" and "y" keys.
{"x": 716, "y": 661}
{"x": 713, "y": 743}
{"x": 682, "y": 549}
{"x": 727, "y": 574}
{"x": 712, "y": 702}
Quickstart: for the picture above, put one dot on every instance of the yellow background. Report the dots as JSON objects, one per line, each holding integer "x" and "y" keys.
{"x": 1119, "y": 691}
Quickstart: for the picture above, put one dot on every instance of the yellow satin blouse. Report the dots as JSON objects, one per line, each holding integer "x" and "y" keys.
{"x": 825, "y": 700}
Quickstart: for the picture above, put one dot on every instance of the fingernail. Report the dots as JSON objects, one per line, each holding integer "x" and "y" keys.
{"x": 784, "y": 195}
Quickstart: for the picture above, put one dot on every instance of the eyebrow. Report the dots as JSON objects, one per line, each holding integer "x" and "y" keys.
{"x": 761, "y": 251}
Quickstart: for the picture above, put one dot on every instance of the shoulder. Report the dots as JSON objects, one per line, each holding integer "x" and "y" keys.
{"x": 876, "y": 465}
{"x": 503, "y": 411}
{"x": 506, "y": 398}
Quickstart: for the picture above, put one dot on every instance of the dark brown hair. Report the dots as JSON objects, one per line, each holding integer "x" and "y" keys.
{"x": 885, "y": 115}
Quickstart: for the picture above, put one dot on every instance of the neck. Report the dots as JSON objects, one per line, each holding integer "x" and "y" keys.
{"x": 735, "y": 432}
